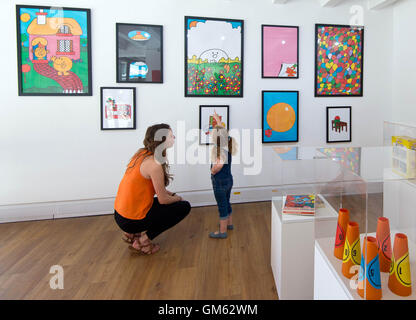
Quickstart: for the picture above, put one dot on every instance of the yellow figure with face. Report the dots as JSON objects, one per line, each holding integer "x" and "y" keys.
{"x": 62, "y": 65}
{"x": 40, "y": 52}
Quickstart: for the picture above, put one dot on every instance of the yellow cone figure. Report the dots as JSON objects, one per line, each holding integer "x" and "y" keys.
{"x": 400, "y": 280}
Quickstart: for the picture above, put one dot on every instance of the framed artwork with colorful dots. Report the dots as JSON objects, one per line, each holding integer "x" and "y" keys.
{"x": 280, "y": 116}
{"x": 338, "y": 124}
{"x": 53, "y": 51}
{"x": 339, "y": 60}
{"x": 213, "y": 57}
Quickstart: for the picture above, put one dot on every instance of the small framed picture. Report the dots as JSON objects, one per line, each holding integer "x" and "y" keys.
{"x": 207, "y": 121}
{"x": 280, "y": 116}
{"x": 338, "y": 124}
{"x": 118, "y": 108}
{"x": 139, "y": 53}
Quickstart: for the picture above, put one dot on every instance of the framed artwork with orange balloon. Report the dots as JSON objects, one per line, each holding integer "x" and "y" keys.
{"x": 280, "y": 116}
{"x": 53, "y": 51}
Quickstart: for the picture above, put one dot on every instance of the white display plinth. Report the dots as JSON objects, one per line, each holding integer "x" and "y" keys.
{"x": 292, "y": 248}
{"x": 331, "y": 284}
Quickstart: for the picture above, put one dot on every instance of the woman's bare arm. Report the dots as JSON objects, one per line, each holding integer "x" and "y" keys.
{"x": 155, "y": 172}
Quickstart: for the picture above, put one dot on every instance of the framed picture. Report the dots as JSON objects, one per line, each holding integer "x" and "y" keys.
{"x": 213, "y": 57}
{"x": 279, "y": 52}
{"x": 53, "y": 51}
{"x": 139, "y": 53}
{"x": 280, "y": 116}
{"x": 207, "y": 121}
{"x": 118, "y": 108}
{"x": 339, "y": 60}
{"x": 338, "y": 124}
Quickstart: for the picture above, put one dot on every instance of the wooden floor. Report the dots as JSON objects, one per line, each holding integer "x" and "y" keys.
{"x": 98, "y": 265}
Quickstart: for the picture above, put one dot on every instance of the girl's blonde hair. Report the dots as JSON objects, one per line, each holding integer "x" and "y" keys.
{"x": 222, "y": 142}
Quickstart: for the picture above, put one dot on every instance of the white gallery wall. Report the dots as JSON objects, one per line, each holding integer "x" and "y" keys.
{"x": 404, "y": 63}
{"x": 52, "y": 148}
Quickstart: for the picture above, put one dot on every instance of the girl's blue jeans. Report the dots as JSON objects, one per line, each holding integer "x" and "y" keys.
{"x": 222, "y": 192}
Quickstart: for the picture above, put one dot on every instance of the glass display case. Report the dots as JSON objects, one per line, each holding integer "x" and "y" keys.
{"x": 359, "y": 239}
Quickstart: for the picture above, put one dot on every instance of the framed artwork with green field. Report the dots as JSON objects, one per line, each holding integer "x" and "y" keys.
{"x": 54, "y": 51}
{"x": 213, "y": 57}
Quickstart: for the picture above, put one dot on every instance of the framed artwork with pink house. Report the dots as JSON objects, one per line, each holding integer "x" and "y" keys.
{"x": 279, "y": 52}
{"x": 54, "y": 51}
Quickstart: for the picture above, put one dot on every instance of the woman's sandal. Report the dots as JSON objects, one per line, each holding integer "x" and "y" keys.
{"x": 129, "y": 237}
{"x": 153, "y": 247}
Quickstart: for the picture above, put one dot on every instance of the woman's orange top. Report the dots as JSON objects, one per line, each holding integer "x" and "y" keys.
{"x": 135, "y": 193}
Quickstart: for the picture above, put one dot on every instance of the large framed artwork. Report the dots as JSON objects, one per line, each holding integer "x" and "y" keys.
{"x": 139, "y": 53}
{"x": 339, "y": 60}
{"x": 280, "y": 116}
{"x": 53, "y": 51}
{"x": 338, "y": 124}
{"x": 118, "y": 108}
{"x": 207, "y": 121}
{"x": 280, "y": 52}
{"x": 213, "y": 57}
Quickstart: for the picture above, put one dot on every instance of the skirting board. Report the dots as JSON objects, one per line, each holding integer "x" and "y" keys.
{"x": 92, "y": 207}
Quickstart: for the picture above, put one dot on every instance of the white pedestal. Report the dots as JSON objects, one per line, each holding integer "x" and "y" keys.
{"x": 292, "y": 248}
{"x": 330, "y": 283}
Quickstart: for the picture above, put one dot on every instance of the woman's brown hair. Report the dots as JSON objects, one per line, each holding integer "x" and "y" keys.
{"x": 150, "y": 146}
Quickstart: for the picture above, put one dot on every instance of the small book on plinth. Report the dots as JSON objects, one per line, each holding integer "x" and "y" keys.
{"x": 303, "y": 204}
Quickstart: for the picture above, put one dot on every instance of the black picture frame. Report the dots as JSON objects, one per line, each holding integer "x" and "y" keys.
{"x": 262, "y": 115}
{"x": 200, "y": 118}
{"x": 262, "y": 51}
{"x": 348, "y": 129}
{"x": 133, "y": 127}
{"x": 128, "y": 60}
{"x": 50, "y": 72}
{"x": 240, "y": 95}
{"x": 316, "y": 62}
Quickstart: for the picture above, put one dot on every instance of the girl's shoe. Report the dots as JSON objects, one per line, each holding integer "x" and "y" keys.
{"x": 218, "y": 235}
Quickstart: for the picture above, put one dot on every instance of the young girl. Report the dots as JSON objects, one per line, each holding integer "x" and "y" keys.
{"x": 221, "y": 177}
